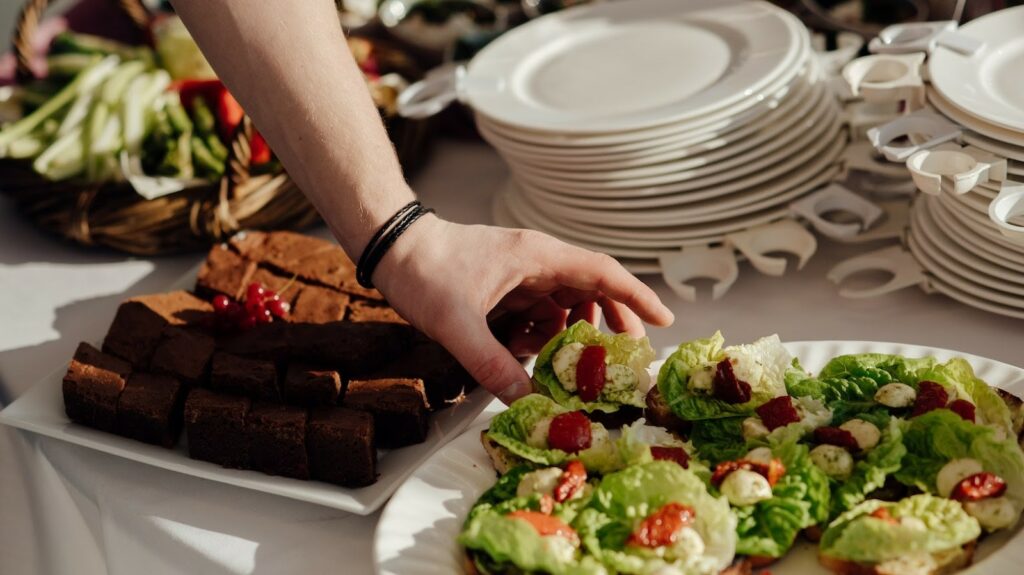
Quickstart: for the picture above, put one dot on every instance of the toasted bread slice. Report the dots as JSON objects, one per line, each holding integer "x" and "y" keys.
{"x": 935, "y": 564}
{"x": 1016, "y": 406}
{"x": 659, "y": 413}
{"x": 740, "y": 567}
{"x": 501, "y": 458}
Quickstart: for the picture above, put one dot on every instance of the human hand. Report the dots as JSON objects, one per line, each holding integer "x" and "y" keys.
{"x": 448, "y": 279}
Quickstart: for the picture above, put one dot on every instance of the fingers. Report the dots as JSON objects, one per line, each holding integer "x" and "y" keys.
{"x": 586, "y": 311}
{"x": 535, "y": 326}
{"x": 486, "y": 360}
{"x": 621, "y": 319}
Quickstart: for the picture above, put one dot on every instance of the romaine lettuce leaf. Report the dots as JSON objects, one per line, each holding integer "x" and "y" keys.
{"x": 855, "y": 536}
{"x": 935, "y": 438}
{"x": 958, "y": 374}
{"x": 870, "y": 472}
{"x": 718, "y": 440}
{"x": 767, "y": 354}
{"x": 637, "y": 353}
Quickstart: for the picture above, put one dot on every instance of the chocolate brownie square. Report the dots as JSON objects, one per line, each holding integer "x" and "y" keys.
{"x": 364, "y": 311}
{"x": 399, "y": 408}
{"x": 183, "y": 353}
{"x": 253, "y": 378}
{"x": 341, "y": 446}
{"x": 150, "y": 409}
{"x": 140, "y": 321}
{"x": 354, "y": 348}
{"x": 224, "y": 272}
{"x": 316, "y": 304}
{"x": 248, "y": 244}
{"x": 277, "y": 440}
{"x": 215, "y": 427}
{"x": 446, "y": 381}
{"x": 265, "y": 341}
{"x": 351, "y": 286}
{"x": 308, "y": 386}
{"x": 92, "y": 385}
{"x": 311, "y": 259}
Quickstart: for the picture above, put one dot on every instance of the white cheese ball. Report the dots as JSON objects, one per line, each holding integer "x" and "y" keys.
{"x": 833, "y": 460}
{"x": 538, "y": 436}
{"x": 542, "y": 481}
{"x": 954, "y": 472}
{"x": 564, "y": 364}
{"x": 760, "y": 455}
{"x": 745, "y": 487}
{"x": 754, "y": 428}
{"x": 896, "y": 395}
{"x": 701, "y": 379}
{"x": 689, "y": 544}
{"x": 992, "y": 513}
{"x": 620, "y": 382}
{"x": 864, "y": 432}
{"x": 560, "y": 547}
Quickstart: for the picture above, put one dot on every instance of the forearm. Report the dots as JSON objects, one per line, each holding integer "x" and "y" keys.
{"x": 287, "y": 63}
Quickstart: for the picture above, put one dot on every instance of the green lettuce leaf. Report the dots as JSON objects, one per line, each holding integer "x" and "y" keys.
{"x": 958, "y": 374}
{"x": 718, "y": 440}
{"x": 939, "y": 436}
{"x": 622, "y": 349}
{"x": 674, "y": 377}
{"x": 627, "y": 496}
{"x": 855, "y": 536}
{"x": 871, "y": 472}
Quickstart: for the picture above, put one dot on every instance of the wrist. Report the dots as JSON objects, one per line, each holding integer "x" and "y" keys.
{"x": 409, "y": 252}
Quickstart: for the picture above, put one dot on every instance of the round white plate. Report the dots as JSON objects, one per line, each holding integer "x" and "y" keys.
{"x": 990, "y": 83}
{"x": 963, "y": 280}
{"x": 978, "y": 224}
{"x": 974, "y": 123}
{"x": 417, "y": 531}
{"x": 625, "y": 66}
{"x": 994, "y": 146}
{"x": 774, "y": 138}
{"x": 951, "y": 251}
{"x": 980, "y": 244}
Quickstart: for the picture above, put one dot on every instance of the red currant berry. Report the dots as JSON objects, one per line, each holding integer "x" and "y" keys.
{"x": 247, "y": 322}
{"x": 233, "y": 310}
{"x": 220, "y": 303}
{"x": 278, "y": 308}
{"x": 255, "y": 292}
{"x": 254, "y": 306}
{"x": 264, "y": 316}
{"x": 269, "y": 295}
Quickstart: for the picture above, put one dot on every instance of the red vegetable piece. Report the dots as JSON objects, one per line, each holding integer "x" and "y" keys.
{"x": 979, "y": 486}
{"x": 883, "y": 514}
{"x": 677, "y": 454}
{"x": 778, "y": 412}
{"x": 590, "y": 372}
{"x": 772, "y": 471}
{"x": 229, "y": 114}
{"x": 663, "y": 526}
{"x": 836, "y": 436}
{"x": 189, "y": 90}
{"x": 963, "y": 408}
{"x": 259, "y": 148}
{"x": 930, "y": 395}
{"x": 572, "y": 480}
{"x": 726, "y": 387}
{"x": 546, "y": 524}
{"x": 775, "y": 471}
{"x": 570, "y": 432}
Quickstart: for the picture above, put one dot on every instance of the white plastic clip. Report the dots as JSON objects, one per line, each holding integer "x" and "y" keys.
{"x": 690, "y": 263}
{"x": 837, "y": 198}
{"x": 887, "y": 78}
{"x": 1009, "y": 204}
{"x": 958, "y": 170}
{"x": 781, "y": 236}
{"x": 933, "y": 127}
{"x": 900, "y": 264}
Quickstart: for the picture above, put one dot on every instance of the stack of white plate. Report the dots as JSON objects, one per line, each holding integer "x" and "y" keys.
{"x": 637, "y": 128}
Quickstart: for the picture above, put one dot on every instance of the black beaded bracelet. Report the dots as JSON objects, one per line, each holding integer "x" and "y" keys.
{"x": 385, "y": 237}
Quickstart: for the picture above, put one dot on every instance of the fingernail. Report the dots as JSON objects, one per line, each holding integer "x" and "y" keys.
{"x": 515, "y": 391}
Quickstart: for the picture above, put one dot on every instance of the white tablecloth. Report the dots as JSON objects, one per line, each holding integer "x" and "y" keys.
{"x": 67, "y": 509}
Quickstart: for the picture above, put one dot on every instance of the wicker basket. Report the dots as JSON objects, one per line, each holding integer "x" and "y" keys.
{"x": 114, "y": 215}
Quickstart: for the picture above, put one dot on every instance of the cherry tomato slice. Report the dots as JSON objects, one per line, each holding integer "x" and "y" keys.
{"x": 883, "y": 514}
{"x": 663, "y": 526}
{"x": 570, "y": 432}
{"x": 590, "y": 371}
{"x": 772, "y": 471}
{"x": 930, "y": 395}
{"x": 836, "y": 436}
{"x": 979, "y": 486}
{"x": 677, "y": 454}
{"x": 546, "y": 524}
{"x": 778, "y": 412}
{"x": 963, "y": 408}
{"x": 571, "y": 482}
{"x": 726, "y": 387}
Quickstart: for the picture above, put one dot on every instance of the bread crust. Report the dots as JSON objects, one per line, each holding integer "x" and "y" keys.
{"x": 947, "y": 564}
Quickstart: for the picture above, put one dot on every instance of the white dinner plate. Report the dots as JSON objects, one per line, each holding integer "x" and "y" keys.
{"x": 938, "y": 267}
{"x": 417, "y": 531}
{"x": 774, "y": 139}
{"x": 994, "y": 146}
{"x": 976, "y": 242}
{"x": 988, "y": 84}
{"x": 41, "y": 410}
{"x": 974, "y": 123}
{"x": 625, "y": 66}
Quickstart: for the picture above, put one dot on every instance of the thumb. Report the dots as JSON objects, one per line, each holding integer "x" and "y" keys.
{"x": 489, "y": 362}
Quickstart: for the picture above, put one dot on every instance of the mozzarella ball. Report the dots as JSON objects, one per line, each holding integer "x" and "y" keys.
{"x": 542, "y": 481}
{"x": 560, "y": 547}
{"x": 701, "y": 379}
{"x": 896, "y": 395}
{"x": 564, "y": 364}
{"x": 745, "y": 487}
{"x": 689, "y": 544}
{"x": 954, "y": 472}
{"x": 865, "y": 432}
{"x": 992, "y": 513}
{"x": 833, "y": 460}
{"x": 754, "y": 428}
{"x": 538, "y": 436}
{"x": 760, "y": 455}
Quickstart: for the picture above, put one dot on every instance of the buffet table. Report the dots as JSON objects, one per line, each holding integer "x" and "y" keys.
{"x": 68, "y": 509}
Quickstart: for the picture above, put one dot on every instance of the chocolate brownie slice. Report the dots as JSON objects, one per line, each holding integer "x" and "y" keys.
{"x": 150, "y": 409}
{"x": 248, "y": 244}
{"x": 315, "y": 304}
{"x": 92, "y": 385}
{"x": 353, "y": 348}
{"x": 446, "y": 381}
{"x": 364, "y": 311}
{"x": 277, "y": 440}
{"x": 140, "y": 321}
{"x": 341, "y": 446}
{"x": 399, "y": 408}
{"x": 308, "y": 386}
{"x": 265, "y": 341}
{"x": 183, "y": 353}
{"x": 311, "y": 259}
{"x": 215, "y": 427}
{"x": 224, "y": 272}
{"x": 244, "y": 376}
